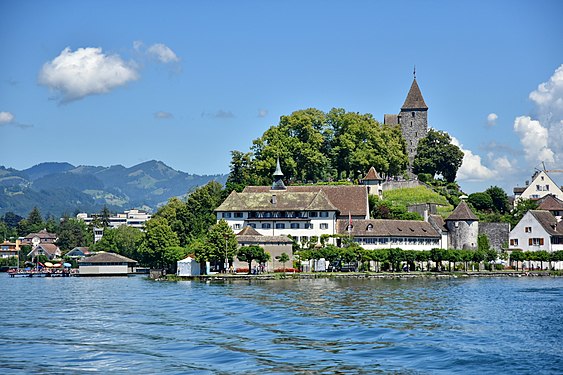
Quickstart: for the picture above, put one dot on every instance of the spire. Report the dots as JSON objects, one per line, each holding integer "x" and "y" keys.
{"x": 278, "y": 182}
{"x": 414, "y": 98}
{"x": 278, "y": 171}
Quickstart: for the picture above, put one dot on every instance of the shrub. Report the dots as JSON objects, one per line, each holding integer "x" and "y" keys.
{"x": 288, "y": 270}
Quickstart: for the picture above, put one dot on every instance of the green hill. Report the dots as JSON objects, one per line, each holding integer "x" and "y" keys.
{"x": 418, "y": 195}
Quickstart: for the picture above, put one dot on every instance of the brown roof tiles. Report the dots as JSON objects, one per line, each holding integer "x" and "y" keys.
{"x": 351, "y": 199}
{"x": 388, "y": 228}
{"x": 414, "y": 98}
{"x": 462, "y": 213}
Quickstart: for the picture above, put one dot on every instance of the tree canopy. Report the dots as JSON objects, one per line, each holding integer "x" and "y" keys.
{"x": 315, "y": 146}
{"x": 437, "y": 155}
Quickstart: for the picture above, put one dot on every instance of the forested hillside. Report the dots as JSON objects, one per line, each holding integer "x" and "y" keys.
{"x": 61, "y": 188}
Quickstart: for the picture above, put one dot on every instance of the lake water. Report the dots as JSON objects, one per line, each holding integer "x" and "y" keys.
{"x": 321, "y": 326}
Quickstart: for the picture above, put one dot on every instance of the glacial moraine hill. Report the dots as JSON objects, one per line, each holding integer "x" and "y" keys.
{"x": 62, "y": 188}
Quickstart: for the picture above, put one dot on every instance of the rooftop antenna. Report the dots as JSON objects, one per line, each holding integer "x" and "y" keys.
{"x": 414, "y": 72}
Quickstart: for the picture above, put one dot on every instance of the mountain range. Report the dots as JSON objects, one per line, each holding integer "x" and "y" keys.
{"x": 62, "y": 188}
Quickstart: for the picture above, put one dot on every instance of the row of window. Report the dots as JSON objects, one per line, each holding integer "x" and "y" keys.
{"x": 277, "y": 214}
{"x": 542, "y": 187}
{"x": 396, "y": 241}
{"x": 283, "y": 226}
{"x": 531, "y": 241}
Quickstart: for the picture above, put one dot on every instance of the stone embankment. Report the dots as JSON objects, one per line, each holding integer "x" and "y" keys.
{"x": 357, "y": 275}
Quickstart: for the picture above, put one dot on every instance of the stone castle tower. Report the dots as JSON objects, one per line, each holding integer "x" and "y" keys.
{"x": 413, "y": 120}
{"x": 463, "y": 228}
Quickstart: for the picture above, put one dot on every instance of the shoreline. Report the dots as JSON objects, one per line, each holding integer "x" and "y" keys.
{"x": 358, "y": 275}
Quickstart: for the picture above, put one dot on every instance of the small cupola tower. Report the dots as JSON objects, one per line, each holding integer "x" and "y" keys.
{"x": 278, "y": 175}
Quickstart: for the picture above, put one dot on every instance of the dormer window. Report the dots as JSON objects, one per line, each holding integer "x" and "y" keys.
{"x": 369, "y": 228}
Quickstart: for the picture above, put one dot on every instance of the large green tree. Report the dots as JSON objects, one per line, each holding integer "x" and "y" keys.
{"x": 123, "y": 240}
{"x": 437, "y": 155}
{"x": 299, "y": 142}
{"x": 499, "y": 199}
{"x": 33, "y": 224}
{"x": 317, "y": 146}
{"x": 222, "y": 243}
{"x": 157, "y": 237}
{"x": 358, "y": 142}
{"x": 242, "y": 172}
{"x": 72, "y": 233}
{"x": 193, "y": 218}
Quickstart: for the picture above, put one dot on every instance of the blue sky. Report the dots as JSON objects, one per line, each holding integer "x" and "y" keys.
{"x": 186, "y": 82}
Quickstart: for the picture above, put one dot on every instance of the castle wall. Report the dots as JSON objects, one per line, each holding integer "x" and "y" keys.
{"x": 498, "y": 234}
{"x": 392, "y": 185}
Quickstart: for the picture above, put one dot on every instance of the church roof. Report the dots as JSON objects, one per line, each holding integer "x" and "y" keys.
{"x": 414, "y": 98}
{"x": 372, "y": 175}
{"x": 462, "y": 212}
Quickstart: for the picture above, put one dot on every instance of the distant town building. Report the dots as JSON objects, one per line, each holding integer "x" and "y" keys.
{"x": 49, "y": 250}
{"x": 132, "y": 218}
{"x": 8, "y": 249}
{"x": 41, "y": 237}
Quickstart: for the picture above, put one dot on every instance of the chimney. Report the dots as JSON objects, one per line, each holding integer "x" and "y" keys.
{"x": 274, "y": 199}
{"x": 426, "y": 215}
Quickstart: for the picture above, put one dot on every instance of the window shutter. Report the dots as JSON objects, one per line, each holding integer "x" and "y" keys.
{"x": 541, "y": 241}
{"x": 530, "y": 241}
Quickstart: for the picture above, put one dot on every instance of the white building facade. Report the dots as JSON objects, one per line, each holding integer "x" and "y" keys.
{"x": 305, "y": 216}
{"x": 541, "y": 186}
{"x": 537, "y": 230}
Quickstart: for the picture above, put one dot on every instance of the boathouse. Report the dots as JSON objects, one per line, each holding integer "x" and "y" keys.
{"x": 106, "y": 264}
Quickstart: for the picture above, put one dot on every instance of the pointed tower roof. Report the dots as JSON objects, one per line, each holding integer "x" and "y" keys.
{"x": 372, "y": 175}
{"x": 462, "y": 213}
{"x": 278, "y": 182}
{"x": 414, "y": 98}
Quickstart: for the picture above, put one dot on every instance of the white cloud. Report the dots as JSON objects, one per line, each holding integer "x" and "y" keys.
{"x": 84, "y": 72}
{"x": 161, "y": 115}
{"x": 6, "y": 118}
{"x": 162, "y": 53}
{"x": 548, "y": 98}
{"x": 262, "y": 113}
{"x": 492, "y": 119}
{"x": 472, "y": 168}
{"x": 534, "y": 138}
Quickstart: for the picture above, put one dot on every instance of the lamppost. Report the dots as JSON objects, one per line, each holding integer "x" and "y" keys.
{"x": 226, "y": 255}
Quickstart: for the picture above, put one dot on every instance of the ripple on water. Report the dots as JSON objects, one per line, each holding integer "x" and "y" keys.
{"x": 78, "y": 325}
